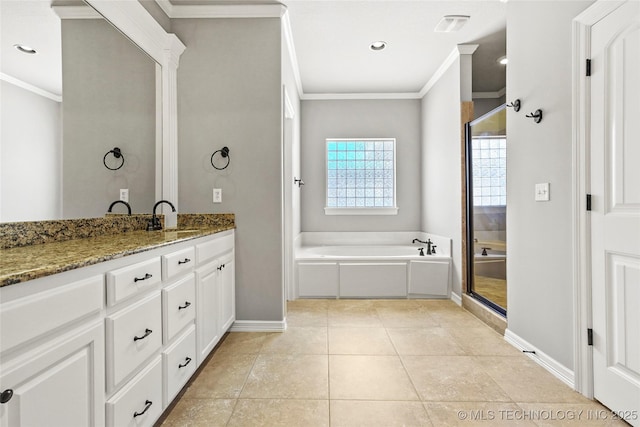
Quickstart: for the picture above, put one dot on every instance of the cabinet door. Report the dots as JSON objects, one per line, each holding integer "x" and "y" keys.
{"x": 207, "y": 313}
{"x": 61, "y": 385}
{"x": 228, "y": 293}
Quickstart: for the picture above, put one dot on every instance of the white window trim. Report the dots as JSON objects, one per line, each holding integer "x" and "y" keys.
{"x": 387, "y": 210}
{"x": 361, "y": 211}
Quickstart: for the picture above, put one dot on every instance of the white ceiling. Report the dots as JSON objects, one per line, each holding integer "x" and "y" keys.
{"x": 331, "y": 40}
{"x": 32, "y": 23}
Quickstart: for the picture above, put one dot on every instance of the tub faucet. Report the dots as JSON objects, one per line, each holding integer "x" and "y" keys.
{"x": 429, "y": 244}
{"x": 120, "y": 201}
{"x": 154, "y": 222}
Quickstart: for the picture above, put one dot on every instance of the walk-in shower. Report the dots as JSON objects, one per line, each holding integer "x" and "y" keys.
{"x": 486, "y": 170}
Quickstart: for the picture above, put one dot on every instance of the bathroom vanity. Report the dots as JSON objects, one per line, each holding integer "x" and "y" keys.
{"x": 113, "y": 342}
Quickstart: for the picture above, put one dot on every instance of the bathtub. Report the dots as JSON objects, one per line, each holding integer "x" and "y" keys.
{"x": 492, "y": 265}
{"x": 371, "y": 270}
{"x": 361, "y": 251}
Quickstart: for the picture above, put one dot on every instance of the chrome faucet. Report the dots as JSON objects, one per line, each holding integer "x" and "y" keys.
{"x": 120, "y": 201}
{"x": 154, "y": 222}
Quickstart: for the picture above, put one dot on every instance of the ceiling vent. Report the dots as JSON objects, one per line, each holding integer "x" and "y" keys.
{"x": 451, "y": 23}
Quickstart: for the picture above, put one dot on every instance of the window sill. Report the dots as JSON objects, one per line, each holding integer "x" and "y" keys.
{"x": 361, "y": 211}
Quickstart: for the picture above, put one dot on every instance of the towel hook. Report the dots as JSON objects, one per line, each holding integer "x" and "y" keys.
{"x": 515, "y": 105}
{"x": 537, "y": 116}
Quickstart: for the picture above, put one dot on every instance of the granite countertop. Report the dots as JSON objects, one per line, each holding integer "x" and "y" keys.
{"x": 20, "y": 264}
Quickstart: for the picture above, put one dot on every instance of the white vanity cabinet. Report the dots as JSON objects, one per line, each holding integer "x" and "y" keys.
{"x": 215, "y": 292}
{"x": 52, "y": 354}
{"x": 113, "y": 343}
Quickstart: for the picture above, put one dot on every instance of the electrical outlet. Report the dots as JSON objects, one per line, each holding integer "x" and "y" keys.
{"x": 217, "y": 195}
{"x": 124, "y": 194}
{"x": 542, "y": 192}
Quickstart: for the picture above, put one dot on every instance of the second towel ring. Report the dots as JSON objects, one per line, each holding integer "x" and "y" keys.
{"x": 117, "y": 153}
{"x": 224, "y": 153}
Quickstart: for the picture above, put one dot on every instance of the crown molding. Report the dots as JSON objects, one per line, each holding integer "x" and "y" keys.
{"x": 358, "y": 96}
{"x": 489, "y": 95}
{"x": 31, "y": 88}
{"x": 271, "y": 10}
{"x": 76, "y": 12}
{"x": 461, "y": 49}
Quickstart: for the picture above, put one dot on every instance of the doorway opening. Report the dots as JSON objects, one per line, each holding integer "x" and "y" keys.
{"x": 486, "y": 179}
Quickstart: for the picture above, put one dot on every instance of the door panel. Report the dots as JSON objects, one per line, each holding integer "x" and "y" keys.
{"x": 615, "y": 218}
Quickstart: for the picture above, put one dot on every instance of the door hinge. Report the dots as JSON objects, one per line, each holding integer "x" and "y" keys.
{"x": 588, "y": 67}
{"x": 588, "y": 202}
{"x": 589, "y": 336}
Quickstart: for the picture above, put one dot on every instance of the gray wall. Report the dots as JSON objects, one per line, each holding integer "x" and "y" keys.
{"x": 109, "y": 101}
{"x": 229, "y": 94}
{"x": 30, "y": 155}
{"x": 482, "y": 106}
{"x": 441, "y": 180}
{"x": 398, "y": 119}
{"x": 539, "y": 242}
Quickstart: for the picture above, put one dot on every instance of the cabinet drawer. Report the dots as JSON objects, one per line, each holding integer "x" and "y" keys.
{"x": 130, "y": 280}
{"x": 144, "y": 391}
{"x": 178, "y": 262}
{"x": 179, "y": 363}
{"x": 133, "y": 335}
{"x": 178, "y": 304}
{"x": 29, "y": 317}
{"x": 209, "y": 250}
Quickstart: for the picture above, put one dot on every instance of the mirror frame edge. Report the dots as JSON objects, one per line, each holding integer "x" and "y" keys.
{"x": 133, "y": 20}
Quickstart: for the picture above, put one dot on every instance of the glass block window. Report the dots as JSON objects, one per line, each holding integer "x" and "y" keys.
{"x": 489, "y": 165}
{"x": 361, "y": 173}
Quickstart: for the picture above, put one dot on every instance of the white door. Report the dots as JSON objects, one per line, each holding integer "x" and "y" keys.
{"x": 615, "y": 217}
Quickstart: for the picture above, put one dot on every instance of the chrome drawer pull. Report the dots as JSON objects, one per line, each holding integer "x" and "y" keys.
{"x": 186, "y": 304}
{"x": 186, "y": 260}
{"x": 147, "y": 332}
{"x": 147, "y": 405}
{"x": 146, "y": 276}
{"x": 186, "y": 362}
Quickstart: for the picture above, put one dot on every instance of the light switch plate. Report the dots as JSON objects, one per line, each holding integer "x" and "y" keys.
{"x": 542, "y": 192}
{"x": 217, "y": 195}
{"x": 124, "y": 194}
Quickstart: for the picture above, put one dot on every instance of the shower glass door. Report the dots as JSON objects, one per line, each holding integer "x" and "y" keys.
{"x": 486, "y": 151}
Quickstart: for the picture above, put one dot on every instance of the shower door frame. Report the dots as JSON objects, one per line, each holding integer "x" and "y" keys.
{"x": 469, "y": 220}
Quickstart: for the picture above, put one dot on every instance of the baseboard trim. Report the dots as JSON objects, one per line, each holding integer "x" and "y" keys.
{"x": 259, "y": 326}
{"x": 456, "y": 298}
{"x": 557, "y": 369}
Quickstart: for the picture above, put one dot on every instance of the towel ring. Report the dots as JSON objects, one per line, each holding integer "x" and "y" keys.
{"x": 224, "y": 153}
{"x": 117, "y": 153}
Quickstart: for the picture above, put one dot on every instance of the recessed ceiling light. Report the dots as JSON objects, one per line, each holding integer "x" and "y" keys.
{"x": 451, "y": 23}
{"x": 25, "y": 49}
{"x": 379, "y": 45}
{"x": 502, "y": 60}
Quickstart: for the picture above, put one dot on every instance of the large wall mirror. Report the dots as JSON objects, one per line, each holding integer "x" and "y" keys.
{"x": 89, "y": 90}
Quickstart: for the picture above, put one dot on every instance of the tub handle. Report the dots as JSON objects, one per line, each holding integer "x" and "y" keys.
{"x": 484, "y": 251}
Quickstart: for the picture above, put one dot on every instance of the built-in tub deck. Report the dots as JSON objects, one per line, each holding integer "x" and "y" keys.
{"x": 372, "y": 265}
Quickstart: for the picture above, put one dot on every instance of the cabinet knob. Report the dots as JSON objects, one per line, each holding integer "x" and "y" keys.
{"x": 6, "y": 395}
{"x": 147, "y": 332}
{"x": 147, "y": 405}
{"x": 186, "y": 260}
{"x": 186, "y": 304}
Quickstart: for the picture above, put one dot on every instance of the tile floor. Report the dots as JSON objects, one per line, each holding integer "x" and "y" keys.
{"x": 378, "y": 363}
